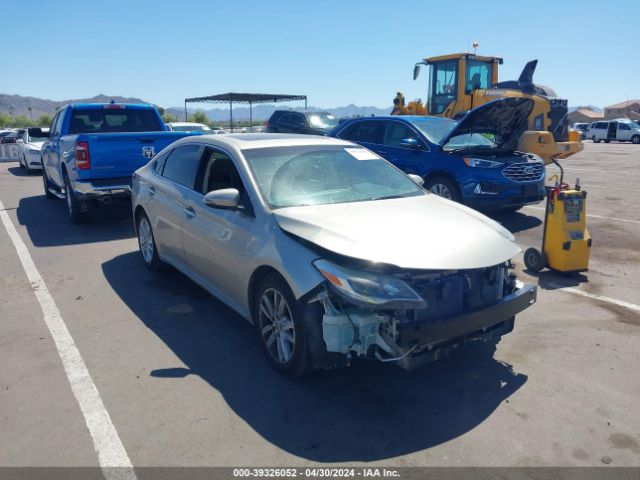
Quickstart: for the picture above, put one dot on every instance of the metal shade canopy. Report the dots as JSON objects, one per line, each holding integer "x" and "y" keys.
{"x": 249, "y": 98}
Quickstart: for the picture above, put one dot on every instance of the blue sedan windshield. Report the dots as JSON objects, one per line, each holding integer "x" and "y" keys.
{"x": 435, "y": 129}
{"x": 321, "y": 174}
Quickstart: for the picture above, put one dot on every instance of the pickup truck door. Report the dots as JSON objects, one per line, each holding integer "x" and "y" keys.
{"x": 216, "y": 239}
{"x": 167, "y": 202}
{"x": 51, "y": 151}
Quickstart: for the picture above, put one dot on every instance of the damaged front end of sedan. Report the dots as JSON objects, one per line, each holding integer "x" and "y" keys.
{"x": 412, "y": 317}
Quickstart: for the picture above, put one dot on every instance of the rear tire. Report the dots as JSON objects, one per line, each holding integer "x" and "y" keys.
{"x": 594, "y": 139}
{"x": 635, "y": 139}
{"x": 279, "y": 320}
{"x": 78, "y": 211}
{"x": 534, "y": 259}
{"x": 147, "y": 244}
{"x": 445, "y": 188}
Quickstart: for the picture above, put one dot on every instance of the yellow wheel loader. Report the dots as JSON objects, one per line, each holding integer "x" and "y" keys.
{"x": 463, "y": 81}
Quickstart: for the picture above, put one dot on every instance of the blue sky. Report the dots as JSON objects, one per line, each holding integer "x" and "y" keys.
{"x": 336, "y": 52}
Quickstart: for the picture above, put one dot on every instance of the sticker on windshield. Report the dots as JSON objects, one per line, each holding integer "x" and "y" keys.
{"x": 361, "y": 154}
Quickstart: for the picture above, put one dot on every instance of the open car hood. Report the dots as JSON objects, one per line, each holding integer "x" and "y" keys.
{"x": 506, "y": 118}
{"x": 423, "y": 232}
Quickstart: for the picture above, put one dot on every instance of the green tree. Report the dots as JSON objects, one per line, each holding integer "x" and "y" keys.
{"x": 21, "y": 121}
{"x": 168, "y": 117}
{"x": 199, "y": 117}
{"x": 5, "y": 120}
{"x": 44, "y": 121}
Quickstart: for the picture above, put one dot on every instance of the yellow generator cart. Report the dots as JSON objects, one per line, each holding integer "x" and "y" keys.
{"x": 566, "y": 244}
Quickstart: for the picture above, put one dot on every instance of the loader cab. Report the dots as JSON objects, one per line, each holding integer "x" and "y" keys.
{"x": 454, "y": 78}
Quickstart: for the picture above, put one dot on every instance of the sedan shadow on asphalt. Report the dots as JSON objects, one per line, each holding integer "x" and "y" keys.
{"x": 48, "y": 224}
{"x": 515, "y": 221}
{"x": 21, "y": 172}
{"x": 368, "y": 412}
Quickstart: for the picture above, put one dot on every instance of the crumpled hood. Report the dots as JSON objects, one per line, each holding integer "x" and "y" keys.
{"x": 506, "y": 118}
{"x": 423, "y": 232}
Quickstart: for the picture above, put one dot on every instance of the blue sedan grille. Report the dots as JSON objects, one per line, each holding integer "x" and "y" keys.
{"x": 524, "y": 172}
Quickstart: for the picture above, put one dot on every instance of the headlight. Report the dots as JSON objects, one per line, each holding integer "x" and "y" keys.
{"x": 481, "y": 162}
{"x": 33, "y": 152}
{"x": 371, "y": 289}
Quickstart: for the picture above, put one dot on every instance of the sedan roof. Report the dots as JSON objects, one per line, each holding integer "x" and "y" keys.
{"x": 244, "y": 141}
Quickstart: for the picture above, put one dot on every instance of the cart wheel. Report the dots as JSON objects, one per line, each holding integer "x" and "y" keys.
{"x": 534, "y": 259}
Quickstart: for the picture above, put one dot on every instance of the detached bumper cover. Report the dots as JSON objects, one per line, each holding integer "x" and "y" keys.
{"x": 435, "y": 331}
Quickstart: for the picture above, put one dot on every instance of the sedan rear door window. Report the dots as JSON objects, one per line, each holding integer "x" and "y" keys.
{"x": 367, "y": 132}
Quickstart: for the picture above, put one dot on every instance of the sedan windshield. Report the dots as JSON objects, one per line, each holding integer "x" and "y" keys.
{"x": 323, "y": 174}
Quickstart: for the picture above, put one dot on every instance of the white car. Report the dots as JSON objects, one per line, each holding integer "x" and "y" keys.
{"x": 31, "y": 141}
{"x": 193, "y": 127}
{"x": 618, "y": 130}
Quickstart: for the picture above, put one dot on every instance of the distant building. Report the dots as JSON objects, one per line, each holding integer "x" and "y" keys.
{"x": 627, "y": 109}
{"x": 584, "y": 115}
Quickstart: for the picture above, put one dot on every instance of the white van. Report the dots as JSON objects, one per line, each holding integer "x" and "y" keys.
{"x": 614, "y": 130}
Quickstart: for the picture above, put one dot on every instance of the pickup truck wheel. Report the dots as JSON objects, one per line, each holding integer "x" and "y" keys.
{"x": 635, "y": 139}
{"x": 147, "y": 244}
{"x": 445, "y": 188}
{"x": 78, "y": 212}
{"x": 278, "y": 317}
{"x": 46, "y": 185}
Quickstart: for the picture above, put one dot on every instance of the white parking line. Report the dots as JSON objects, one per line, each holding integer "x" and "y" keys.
{"x": 617, "y": 219}
{"x": 620, "y": 303}
{"x": 112, "y": 456}
{"x": 600, "y": 171}
{"x": 612, "y": 188}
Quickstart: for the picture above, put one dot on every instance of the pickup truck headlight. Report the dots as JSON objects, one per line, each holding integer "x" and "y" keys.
{"x": 481, "y": 163}
{"x": 369, "y": 288}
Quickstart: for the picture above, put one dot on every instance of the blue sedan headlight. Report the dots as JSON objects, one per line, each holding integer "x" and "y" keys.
{"x": 481, "y": 163}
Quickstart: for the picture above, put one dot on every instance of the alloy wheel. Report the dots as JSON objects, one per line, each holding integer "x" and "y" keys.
{"x": 276, "y": 325}
{"x": 145, "y": 238}
{"x": 441, "y": 190}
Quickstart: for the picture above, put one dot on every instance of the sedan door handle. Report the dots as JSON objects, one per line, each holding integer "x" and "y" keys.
{"x": 189, "y": 212}
{"x": 152, "y": 190}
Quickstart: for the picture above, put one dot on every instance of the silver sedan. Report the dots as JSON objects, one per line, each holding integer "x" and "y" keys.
{"x": 329, "y": 250}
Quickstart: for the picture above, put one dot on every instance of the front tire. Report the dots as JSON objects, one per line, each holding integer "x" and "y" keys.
{"x": 445, "y": 188}
{"x": 635, "y": 139}
{"x": 594, "y": 139}
{"x": 46, "y": 185}
{"x": 278, "y": 317}
{"x": 147, "y": 244}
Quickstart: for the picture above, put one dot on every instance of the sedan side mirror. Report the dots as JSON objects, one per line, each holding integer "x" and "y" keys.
{"x": 410, "y": 143}
{"x": 224, "y": 198}
{"x": 417, "y": 179}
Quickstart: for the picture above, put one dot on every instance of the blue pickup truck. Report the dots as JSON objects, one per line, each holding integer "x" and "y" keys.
{"x": 93, "y": 149}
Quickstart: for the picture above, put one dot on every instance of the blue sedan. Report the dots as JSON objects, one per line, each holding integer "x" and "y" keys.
{"x": 473, "y": 161}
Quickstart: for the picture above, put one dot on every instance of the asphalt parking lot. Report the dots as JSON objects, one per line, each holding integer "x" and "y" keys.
{"x": 185, "y": 383}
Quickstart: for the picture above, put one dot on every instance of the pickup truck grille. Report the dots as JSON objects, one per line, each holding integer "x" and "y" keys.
{"x": 524, "y": 172}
